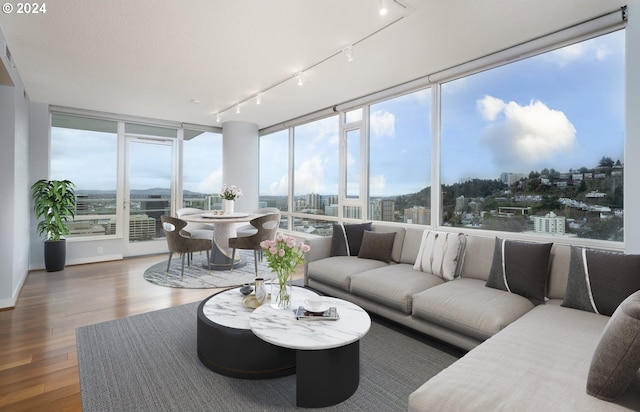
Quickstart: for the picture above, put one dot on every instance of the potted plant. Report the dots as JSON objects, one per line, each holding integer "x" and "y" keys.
{"x": 54, "y": 204}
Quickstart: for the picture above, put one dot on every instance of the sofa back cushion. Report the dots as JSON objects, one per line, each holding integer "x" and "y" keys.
{"x": 478, "y": 257}
{"x": 521, "y": 267}
{"x": 600, "y": 280}
{"x": 411, "y": 246}
{"x": 398, "y": 243}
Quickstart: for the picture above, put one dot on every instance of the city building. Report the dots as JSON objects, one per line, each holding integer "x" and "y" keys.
{"x": 549, "y": 223}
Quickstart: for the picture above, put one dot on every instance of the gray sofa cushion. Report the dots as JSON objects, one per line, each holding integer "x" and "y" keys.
{"x": 378, "y": 246}
{"x": 392, "y": 285}
{"x": 398, "y": 243}
{"x": 617, "y": 356}
{"x": 411, "y": 245}
{"x": 346, "y": 239}
{"x": 599, "y": 281}
{"x": 466, "y": 306}
{"x": 520, "y": 267}
{"x": 337, "y": 270}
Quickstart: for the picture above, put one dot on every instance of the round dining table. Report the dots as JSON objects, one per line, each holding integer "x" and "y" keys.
{"x": 225, "y": 228}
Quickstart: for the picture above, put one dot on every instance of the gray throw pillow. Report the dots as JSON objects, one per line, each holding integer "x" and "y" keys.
{"x": 599, "y": 281}
{"x": 520, "y": 267}
{"x": 617, "y": 357}
{"x": 377, "y": 246}
{"x": 347, "y": 238}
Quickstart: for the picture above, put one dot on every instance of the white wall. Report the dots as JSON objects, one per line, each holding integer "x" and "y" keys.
{"x": 240, "y": 161}
{"x": 14, "y": 183}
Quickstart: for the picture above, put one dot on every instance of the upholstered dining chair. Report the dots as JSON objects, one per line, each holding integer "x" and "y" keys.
{"x": 248, "y": 229}
{"x": 266, "y": 228}
{"x": 179, "y": 243}
{"x": 195, "y": 230}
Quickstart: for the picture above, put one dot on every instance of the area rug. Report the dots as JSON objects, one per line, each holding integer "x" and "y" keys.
{"x": 149, "y": 362}
{"x": 197, "y": 276}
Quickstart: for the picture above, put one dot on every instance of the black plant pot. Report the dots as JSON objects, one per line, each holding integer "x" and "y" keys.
{"x": 55, "y": 254}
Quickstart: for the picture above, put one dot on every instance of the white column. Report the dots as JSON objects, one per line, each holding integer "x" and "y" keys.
{"x": 240, "y": 158}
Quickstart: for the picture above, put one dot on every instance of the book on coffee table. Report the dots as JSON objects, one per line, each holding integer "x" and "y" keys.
{"x": 329, "y": 314}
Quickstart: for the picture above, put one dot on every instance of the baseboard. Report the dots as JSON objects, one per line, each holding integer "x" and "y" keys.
{"x": 10, "y": 303}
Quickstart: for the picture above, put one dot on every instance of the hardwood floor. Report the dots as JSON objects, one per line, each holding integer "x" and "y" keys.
{"x": 38, "y": 357}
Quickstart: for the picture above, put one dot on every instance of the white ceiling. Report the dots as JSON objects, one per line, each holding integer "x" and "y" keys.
{"x": 151, "y": 58}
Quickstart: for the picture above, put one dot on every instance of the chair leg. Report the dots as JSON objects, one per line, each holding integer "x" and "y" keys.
{"x": 169, "y": 263}
{"x": 255, "y": 261}
{"x": 182, "y": 272}
{"x": 233, "y": 259}
{"x": 208, "y": 261}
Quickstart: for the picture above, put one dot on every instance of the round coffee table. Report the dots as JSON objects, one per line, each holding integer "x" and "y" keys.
{"x": 227, "y": 346}
{"x": 327, "y": 351}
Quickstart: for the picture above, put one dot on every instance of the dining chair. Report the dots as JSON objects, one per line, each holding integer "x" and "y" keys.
{"x": 179, "y": 243}
{"x": 266, "y": 228}
{"x": 195, "y": 230}
{"x": 248, "y": 229}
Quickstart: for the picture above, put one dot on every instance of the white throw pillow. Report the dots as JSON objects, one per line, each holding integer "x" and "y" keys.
{"x": 440, "y": 254}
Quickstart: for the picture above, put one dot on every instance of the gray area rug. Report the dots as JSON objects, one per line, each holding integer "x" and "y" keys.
{"x": 149, "y": 362}
{"x": 197, "y": 276}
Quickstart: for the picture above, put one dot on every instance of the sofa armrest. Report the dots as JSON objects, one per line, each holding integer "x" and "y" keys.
{"x": 320, "y": 249}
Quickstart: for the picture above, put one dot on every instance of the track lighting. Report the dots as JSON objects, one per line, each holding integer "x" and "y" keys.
{"x": 237, "y": 109}
{"x": 300, "y": 77}
{"x": 348, "y": 53}
{"x": 258, "y": 99}
{"x": 383, "y": 10}
{"x": 218, "y": 117}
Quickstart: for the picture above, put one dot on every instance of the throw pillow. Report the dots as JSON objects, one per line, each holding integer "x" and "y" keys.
{"x": 347, "y": 238}
{"x": 377, "y": 246}
{"x": 521, "y": 268}
{"x": 599, "y": 281}
{"x": 617, "y": 357}
{"x": 440, "y": 254}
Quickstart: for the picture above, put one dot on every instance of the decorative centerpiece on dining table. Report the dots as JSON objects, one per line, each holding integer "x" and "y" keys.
{"x": 283, "y": 256}
{"x": 229, "y": 195}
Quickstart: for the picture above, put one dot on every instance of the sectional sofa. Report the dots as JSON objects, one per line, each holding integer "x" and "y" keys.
{"x": 524, "y": 311}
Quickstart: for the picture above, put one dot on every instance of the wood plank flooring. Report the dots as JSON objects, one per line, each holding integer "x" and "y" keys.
{"x": 38, "y": 357}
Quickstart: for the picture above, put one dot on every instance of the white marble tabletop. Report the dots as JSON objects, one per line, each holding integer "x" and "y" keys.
{"x": 226, "y": 307}
{"x": 281, "y": 328}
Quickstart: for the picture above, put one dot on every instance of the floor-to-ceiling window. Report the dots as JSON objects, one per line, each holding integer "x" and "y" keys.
{"x": 315, "y": 175}
{"x": 85, "y": 151}
{"x": 274, "y": 172}
{"x": 537, "y": 145}
{"x": 400, "y": 159}
{"x": 201, "y": 169}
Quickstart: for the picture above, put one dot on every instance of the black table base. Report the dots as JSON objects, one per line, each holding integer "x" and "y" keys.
{"x": 327, "y": 377}
{"x": 239, "y": 353}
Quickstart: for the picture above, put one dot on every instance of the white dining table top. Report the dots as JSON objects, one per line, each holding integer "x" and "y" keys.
{"x": 209, "y": 217}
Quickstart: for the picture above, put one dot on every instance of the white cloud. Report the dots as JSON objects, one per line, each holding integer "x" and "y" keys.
{"x": 376, "y": 185}
{"x": 490, "y": 107}
{"x": 597, "y": 50}
{"x": 530, "y": 135}
{"x": 211, "y": 183}
{"x": 309, "y": 176}
{"x": 382, "y": 124}
{"x": 279, "y": 187}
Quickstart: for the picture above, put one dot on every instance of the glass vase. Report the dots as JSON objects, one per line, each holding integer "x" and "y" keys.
{"x": 281, "y": 290}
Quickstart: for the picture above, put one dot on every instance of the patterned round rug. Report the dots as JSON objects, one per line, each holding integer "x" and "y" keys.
{"x": 199, "y": 277}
